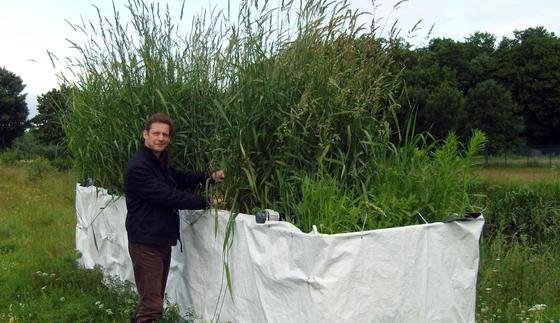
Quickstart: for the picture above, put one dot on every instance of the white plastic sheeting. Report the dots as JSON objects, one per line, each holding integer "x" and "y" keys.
{"x": 420, "y": 273}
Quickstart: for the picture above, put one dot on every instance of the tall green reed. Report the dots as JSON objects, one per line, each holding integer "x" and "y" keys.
{"x": 286, "y": 99}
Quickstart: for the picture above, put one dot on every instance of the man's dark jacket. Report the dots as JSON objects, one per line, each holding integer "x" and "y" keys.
{"x": 154, "y": 192}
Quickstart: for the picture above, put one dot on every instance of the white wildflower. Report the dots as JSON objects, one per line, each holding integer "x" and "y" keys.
{"x": 538, "y": 307}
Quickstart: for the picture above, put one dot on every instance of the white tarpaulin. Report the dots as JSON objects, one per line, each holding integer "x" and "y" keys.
{"x": 420, "y": 273}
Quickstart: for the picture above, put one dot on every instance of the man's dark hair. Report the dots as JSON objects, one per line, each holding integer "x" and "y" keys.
{"x": 161, "y": 118}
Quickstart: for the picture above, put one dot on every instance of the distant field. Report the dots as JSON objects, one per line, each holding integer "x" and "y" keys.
{"x": 549, "y": 161}
{"x": 519, "y": 175}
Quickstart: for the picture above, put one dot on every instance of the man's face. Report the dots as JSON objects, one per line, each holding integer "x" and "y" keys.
{"x": 157, "y": 138}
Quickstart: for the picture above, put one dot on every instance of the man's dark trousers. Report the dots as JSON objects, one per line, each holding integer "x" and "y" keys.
{"x": 151, "y": 267}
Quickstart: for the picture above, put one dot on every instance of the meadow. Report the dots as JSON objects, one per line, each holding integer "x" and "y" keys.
{"x": 38, "y": 273}
{"x": 519, "y": 175}
{"x": 519, "y": 250}
{"x": 524, "y": 161}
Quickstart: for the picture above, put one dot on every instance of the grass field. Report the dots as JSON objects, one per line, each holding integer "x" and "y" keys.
{"x": 500, "y": 175}
{"x": 518, "y": 278}
{"x": 40, "y": 281}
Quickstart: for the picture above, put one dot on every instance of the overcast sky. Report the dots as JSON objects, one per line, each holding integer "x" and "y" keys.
{"x": 28, "y": 28}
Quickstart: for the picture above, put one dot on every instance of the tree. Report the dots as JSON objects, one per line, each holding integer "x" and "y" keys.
{"x": 492, "y": 110}
{"x": 51, "y": 108}
{"x": 530, "y": 65}
{"x": 454, "y": 56}
{"x": 482, "y": 58}
{"x": 432, "y": 89}
{"x": 479, "y": 43}
{"x": 444, "y": 111}
{"x": 13, "y": 108}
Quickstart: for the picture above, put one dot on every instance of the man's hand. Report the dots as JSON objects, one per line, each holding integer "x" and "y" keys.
{"x": 218, "y": 176}
{"x": 216, "y": 202}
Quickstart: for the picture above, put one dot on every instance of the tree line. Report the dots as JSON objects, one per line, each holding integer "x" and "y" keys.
{"x": 508, "y": 89}
{"x": 40, "y": 136}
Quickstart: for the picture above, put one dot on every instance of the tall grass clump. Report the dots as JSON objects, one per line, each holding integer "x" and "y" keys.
{"x": 527, "y": 212}
{"x": 294, "y": 101}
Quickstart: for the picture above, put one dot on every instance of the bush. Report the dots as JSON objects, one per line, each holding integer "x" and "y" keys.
{"x": 9, "y": 157}
{"x": 62, "y": 163}
{"x": 39, "y": 168}
{"x": 526, "y": 213}
{"x": 28, "y": 147}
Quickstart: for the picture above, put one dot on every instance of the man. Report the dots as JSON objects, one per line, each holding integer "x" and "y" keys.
{"x": 154, "y": 192}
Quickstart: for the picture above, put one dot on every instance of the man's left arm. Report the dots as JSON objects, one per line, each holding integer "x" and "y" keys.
{"x": 191, "y": 179}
